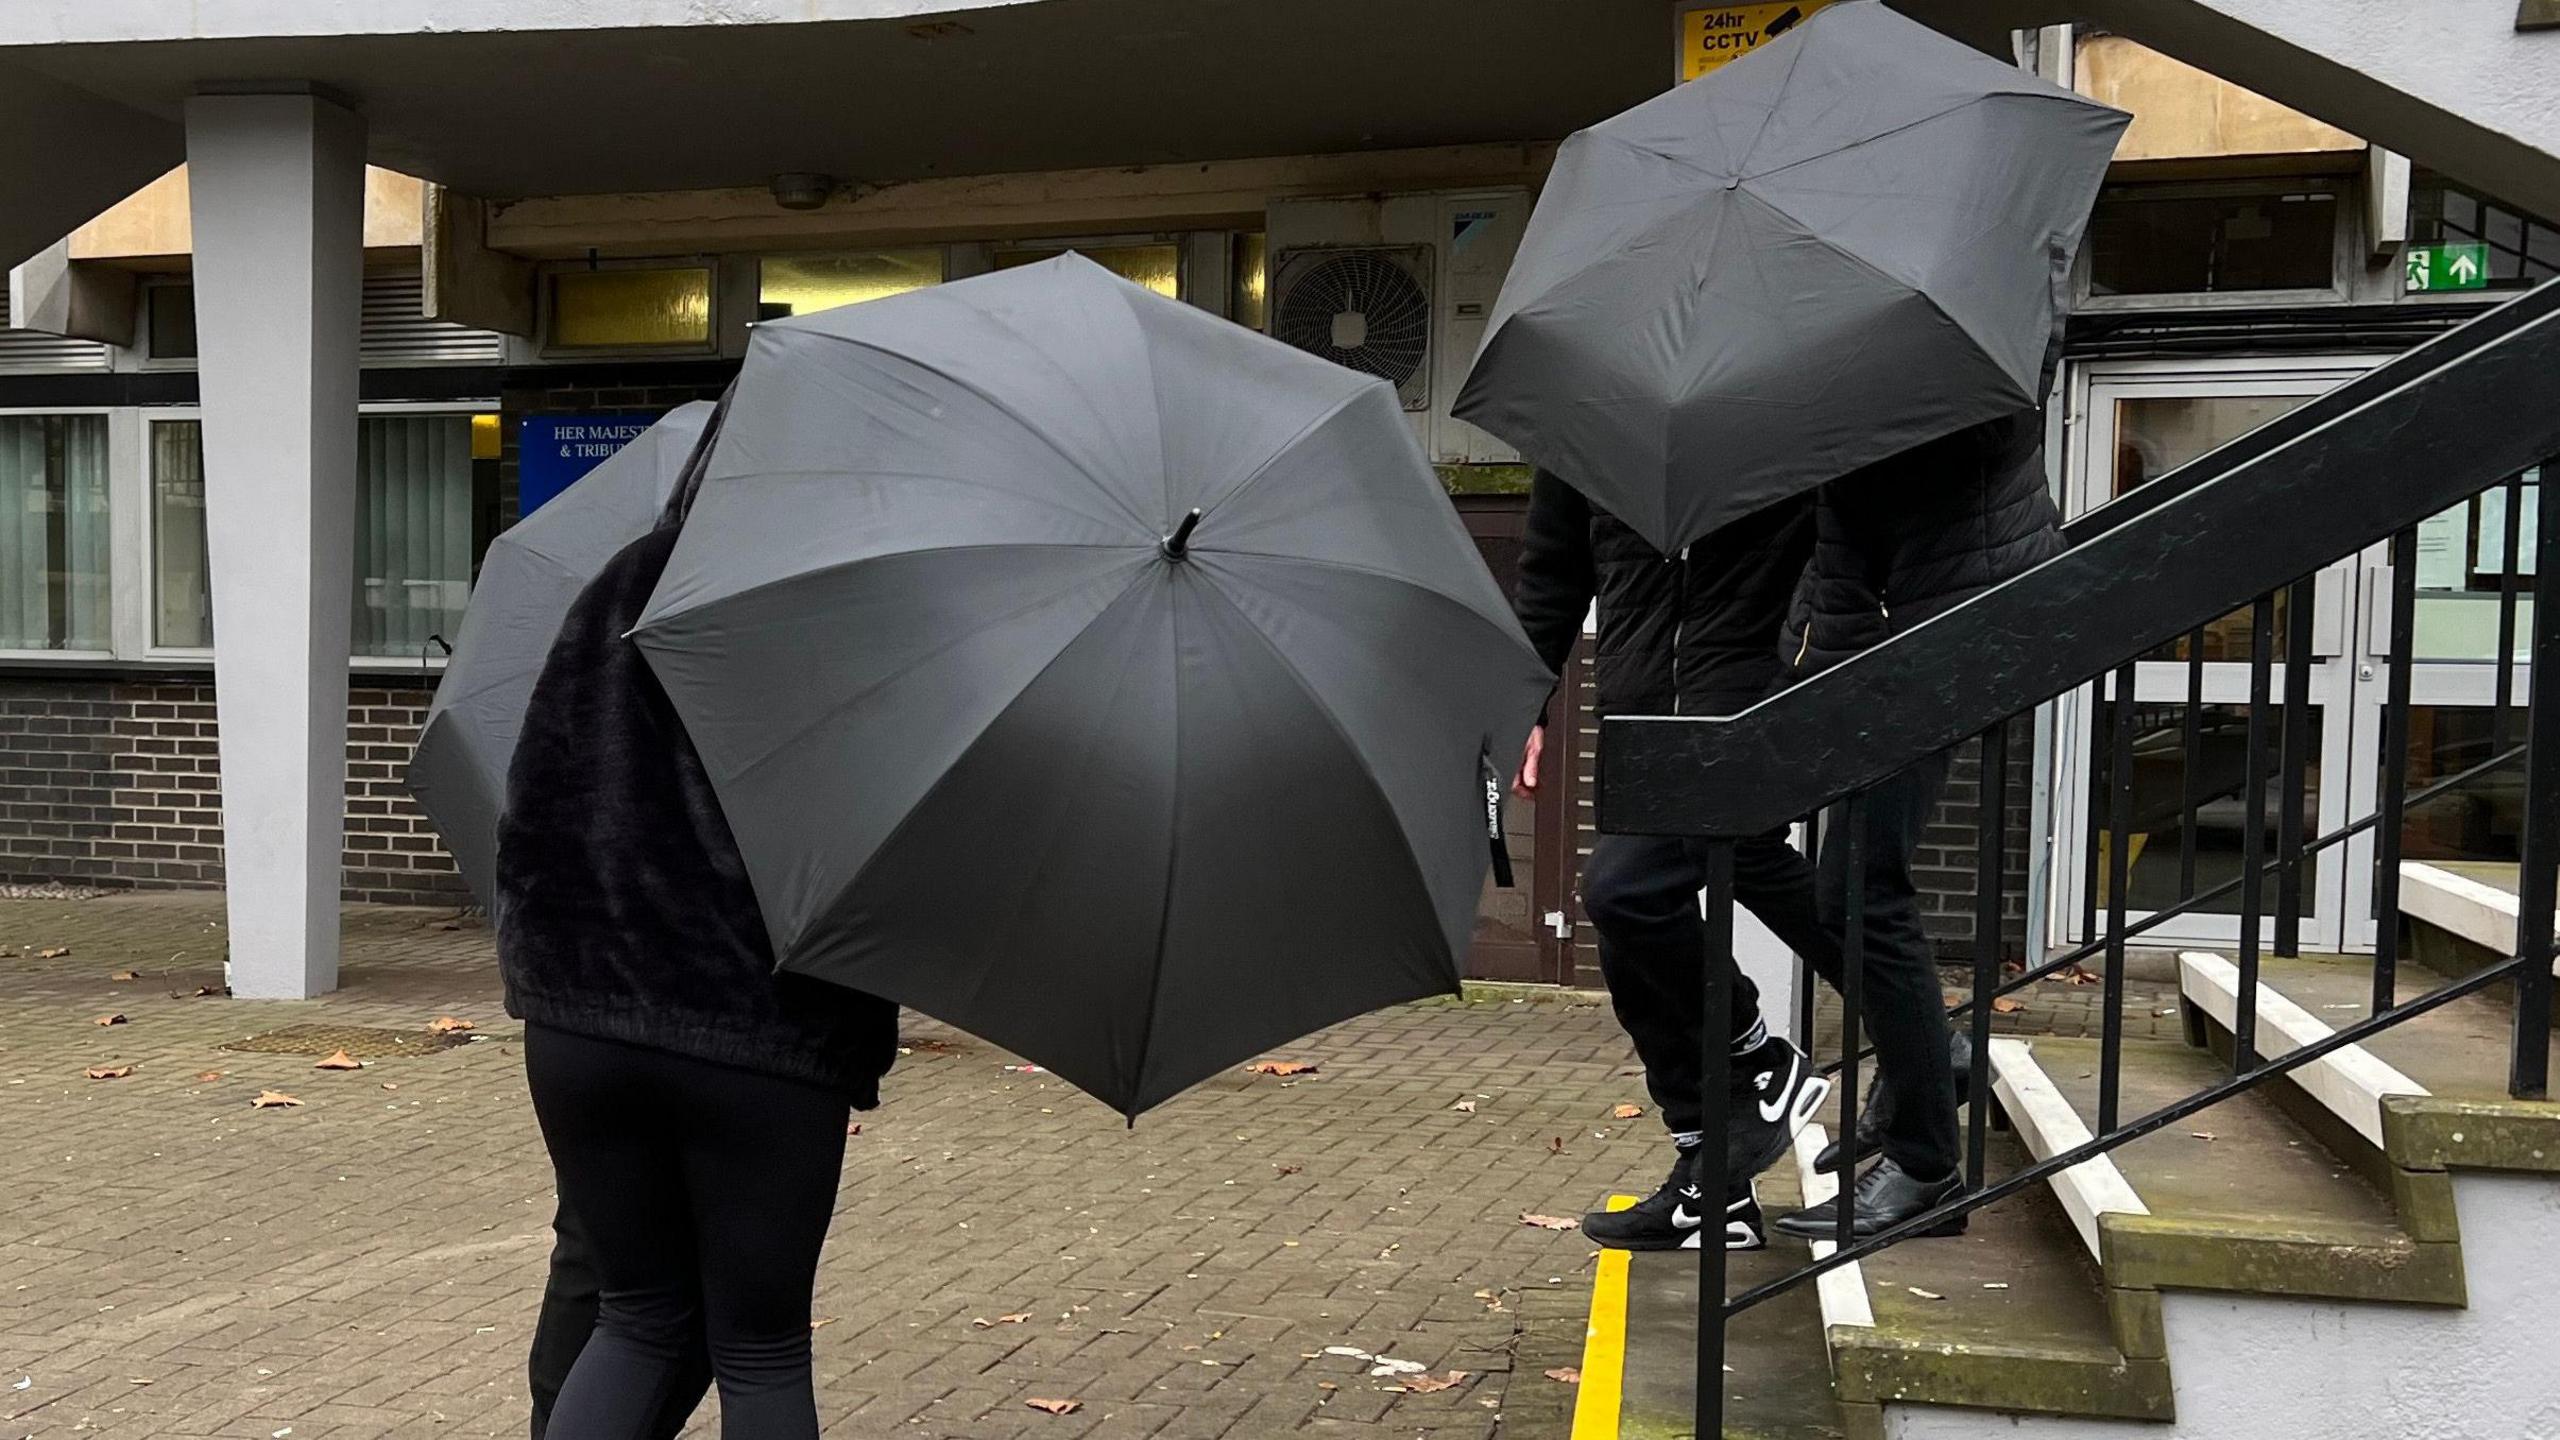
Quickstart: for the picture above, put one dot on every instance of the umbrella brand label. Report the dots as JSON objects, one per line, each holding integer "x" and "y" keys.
{"x": 1713, "y": 36}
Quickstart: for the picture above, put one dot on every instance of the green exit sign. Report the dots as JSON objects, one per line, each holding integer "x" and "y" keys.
{"x": 2448, "y": 267}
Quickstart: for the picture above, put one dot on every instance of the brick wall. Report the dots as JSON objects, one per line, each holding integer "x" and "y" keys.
{"x": 1948, "y": 860}
{"x": 117, "y": 783}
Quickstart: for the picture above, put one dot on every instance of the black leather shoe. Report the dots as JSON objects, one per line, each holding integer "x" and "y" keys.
{"x": 1883, "y": 1198}
{"x": 1878, "y": 1111}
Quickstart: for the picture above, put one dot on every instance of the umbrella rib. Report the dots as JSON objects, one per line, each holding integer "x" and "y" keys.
{"x": 995, "y": 402}
{"x": 968, "y": 482}
{"x": 1172, "y": 867}
{"x": 1326, "y": 417}
{"x": 1931, "y": 118}
{"x": 1407, "y": 581}
{"x": 1135, "y": 566}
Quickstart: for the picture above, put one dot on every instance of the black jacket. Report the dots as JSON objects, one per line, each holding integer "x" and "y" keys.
{"x": 1689, "y": 634}
{"x": 1916, "y": 534}
{"x": 623, "y": 911}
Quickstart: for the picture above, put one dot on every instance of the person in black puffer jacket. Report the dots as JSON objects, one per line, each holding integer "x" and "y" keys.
{"x": 1896, "y": 543}
{"x": 693, "y": 1099}
{"x": 1686, "y": 634}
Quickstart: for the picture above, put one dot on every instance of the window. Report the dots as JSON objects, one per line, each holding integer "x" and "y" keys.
{"x": 1248, "y": 304}
{"x": 631, "y": 308}
{"x": 2165, "y": 239}
{"x": 2522, "y": 250}
{"x": 53, "y": 532}
{"x": 171, "y": 319}
{"x": 1157, "y": 267}
{"x": 423, "y": 517}
{"x": 804, "y": 284}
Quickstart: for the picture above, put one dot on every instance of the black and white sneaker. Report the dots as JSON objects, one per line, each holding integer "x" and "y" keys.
{"x": 1745, "y": 1228}
{"x": 1775, "y": 1094}
{"x": 1674, "y": 1217}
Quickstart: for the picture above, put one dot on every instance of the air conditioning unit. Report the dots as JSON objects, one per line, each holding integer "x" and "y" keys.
{"x": 1399, "y": 286}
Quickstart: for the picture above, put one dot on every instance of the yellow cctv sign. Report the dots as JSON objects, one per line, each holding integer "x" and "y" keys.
{"x": 1712, "y": 36}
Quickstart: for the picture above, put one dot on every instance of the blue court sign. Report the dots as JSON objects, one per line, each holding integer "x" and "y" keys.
{"x": 556, "y": 450}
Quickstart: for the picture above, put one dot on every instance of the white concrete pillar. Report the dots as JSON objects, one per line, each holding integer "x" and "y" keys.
{"x": 278, "y": 196}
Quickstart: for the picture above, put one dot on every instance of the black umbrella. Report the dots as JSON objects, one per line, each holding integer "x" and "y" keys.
{"x": 1091, "y": 673}
{"x": 530, "y": 576}
{"x": 1850, "y": 241}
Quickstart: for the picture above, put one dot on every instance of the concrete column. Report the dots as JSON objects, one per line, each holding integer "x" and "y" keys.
{"x": 278, "y": 197}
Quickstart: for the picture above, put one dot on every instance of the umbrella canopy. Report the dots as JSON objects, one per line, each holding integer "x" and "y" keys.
{"x": 1091, "y": 673}
{"x": 531, "y": 575}
{"x": 1852, "y": 240}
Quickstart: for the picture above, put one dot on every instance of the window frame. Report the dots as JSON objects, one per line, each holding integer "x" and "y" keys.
{"x": 2342, "y": 247}
{"x": 545, "y": 287}
{"x": 118, "y": 516}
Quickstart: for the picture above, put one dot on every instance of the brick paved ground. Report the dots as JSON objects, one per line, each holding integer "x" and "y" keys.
{"x": 175, "y": 1263}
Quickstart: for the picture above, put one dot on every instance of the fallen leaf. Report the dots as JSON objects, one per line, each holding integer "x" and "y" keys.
{"x": 2204, "y": 1135}
{"x": 449, "y": 1025}
{"x": 853, "y": 1127}
{"x": 1288, "y": 1170}
{"x": 1327, "y": 1385}
{"x": 1924, "y": 1294}
{"x": 338, "y": 1060}
{"x": 1626, "y": 1112}
{"x": 126, "y": 975}
{"x": 1013, "y": 1319}
{"x": 109, "y": 1072}
{"x": 1491, "y": 1300}
{"x": 1280, "y": 1067}
{"x": 822, "y": 1322}
{"x": 1024, "y": 1070}
{"x": 1556, "y": 1146}
{"x": 1465, "y": 1107}
{"x": 1548, "y": 1222}
{"x": 1433, "y": 1385}
{"x": 200, "y": 992}
{"x": 2007, "y": 1005}
{"x": 1056, "y": 1407}
{"x": 390, "y": 1084}
{"x": 1565, "y": 1374}
{"x": 208, "y": 1077}
{"x": 108, "y": 1020}
{"x": 56, "y": 953}
{"x": 273, "y": 1100}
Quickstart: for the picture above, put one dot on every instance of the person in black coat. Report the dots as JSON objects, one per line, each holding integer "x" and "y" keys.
{"x": 694, "y": 1101}
{"x": 1897, "y": 543}
{"x": 1686, "y": 634}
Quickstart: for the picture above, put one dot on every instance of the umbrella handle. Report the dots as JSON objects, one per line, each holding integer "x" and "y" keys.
{"x": 1491, "y": 775}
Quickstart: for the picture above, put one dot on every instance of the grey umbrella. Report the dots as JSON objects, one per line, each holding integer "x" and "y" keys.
{"x": 1092, "y": 673}
{"x": 530, "y": 576}
{"x": 1848, "y": 242}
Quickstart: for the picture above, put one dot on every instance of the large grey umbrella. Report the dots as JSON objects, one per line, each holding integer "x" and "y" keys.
{"x": 1850, "y": 241}
{"x": 530, "y": 576}
{"x": 1092, "y": 673}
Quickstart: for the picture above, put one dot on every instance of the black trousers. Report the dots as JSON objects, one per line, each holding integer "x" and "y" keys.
{"x": 707, "y": 1191}
{"x": 1902, "y": 1006}
{"x": 1641, "y": 893}
{"x": 568, "y": 1318}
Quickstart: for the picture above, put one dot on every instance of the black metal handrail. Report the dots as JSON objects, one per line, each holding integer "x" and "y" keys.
{"x": 2250, "y": 525}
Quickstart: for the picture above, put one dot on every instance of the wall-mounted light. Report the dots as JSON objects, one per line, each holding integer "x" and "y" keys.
{"x": 803, "y": 189}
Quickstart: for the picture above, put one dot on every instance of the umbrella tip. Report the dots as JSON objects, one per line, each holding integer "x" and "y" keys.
{"x": 1178, "y": 544}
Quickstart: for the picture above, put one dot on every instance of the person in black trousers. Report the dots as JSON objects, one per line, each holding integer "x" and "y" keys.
{"x": 1897, "y": 543}
{"x": 1689, "y": 634}
{"x": 568, "y": 1319}
{"x": 694, "y": 1101}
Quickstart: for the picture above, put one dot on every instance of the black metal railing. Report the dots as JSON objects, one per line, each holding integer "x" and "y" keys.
{"x": 2244, "y": 531}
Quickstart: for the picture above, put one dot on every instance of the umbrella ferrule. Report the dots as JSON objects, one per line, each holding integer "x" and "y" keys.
{"x": 1178, "y": 544}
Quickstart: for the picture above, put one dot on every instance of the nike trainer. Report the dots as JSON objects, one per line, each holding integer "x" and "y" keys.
{"x": 1775, "y": 1094}
{"x": 1674, "y": 1217}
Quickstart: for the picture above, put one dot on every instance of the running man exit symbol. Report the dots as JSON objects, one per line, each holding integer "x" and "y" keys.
{"x": 2448, "y": 267}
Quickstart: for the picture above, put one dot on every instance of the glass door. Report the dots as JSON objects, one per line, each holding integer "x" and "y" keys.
{"x": 2464, "y": 566}
{"x": 2139, "y": 420}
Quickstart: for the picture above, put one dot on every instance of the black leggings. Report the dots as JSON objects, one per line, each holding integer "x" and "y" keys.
{"x": 702, "y": 1185}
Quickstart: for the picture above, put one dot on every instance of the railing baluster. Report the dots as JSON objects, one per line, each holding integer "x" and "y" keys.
{"x": 1853, "y": 985}
{"x": 2395, "y": 771}
{"x": 1716, "y": 1081}
{"x": 1991, "y": 834}
{"x": 2191, "y": 753}
{"x": 2253, "y": 833}
{"x": 2097, "y": 752}
{"x": 2538, "y": 885}
{"x": 2119, "y": 881}
{"x": 2511, "y": 566}
{"x": 2296, "y": 763}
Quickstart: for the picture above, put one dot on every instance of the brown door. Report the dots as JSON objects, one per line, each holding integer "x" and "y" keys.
{"x": 1516, "y": 929}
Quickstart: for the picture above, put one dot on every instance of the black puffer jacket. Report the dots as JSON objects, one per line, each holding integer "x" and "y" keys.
{"x": 1678, "y": 636}
{"x": 623, "y": 911}
{"x": 1914, "y": 535}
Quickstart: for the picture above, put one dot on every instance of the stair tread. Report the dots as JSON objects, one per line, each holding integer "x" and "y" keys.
{"x": 2242, "y": 1167}
{"x": 2458, "y": 1050}
{"x": 2496, "y": 874}
{"x": 1778, "y": 1380}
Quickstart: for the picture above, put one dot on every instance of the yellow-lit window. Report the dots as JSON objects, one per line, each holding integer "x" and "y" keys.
{"x": 1246, "y": 304}
{"x": 804, "y": 284}
{"x": 1158, "y": 267}
{"x": 660, "y": 307}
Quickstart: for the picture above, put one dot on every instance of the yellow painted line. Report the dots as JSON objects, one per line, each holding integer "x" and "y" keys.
{"x": 1604, "y": 1346}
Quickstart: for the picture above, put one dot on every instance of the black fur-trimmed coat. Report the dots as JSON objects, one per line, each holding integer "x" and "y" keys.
{"x": 623, "y": 911}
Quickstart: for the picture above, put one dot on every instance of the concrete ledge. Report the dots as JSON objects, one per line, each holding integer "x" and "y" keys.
{"x": 2351, "y": 1083}
{"x": 2048, "y": 1124}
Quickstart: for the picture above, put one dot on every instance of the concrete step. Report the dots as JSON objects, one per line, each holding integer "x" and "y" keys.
{"x": 2424, "y": 1096}
{"x": 2461, "y": 914}
{"x": 2238, "y": 1198}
